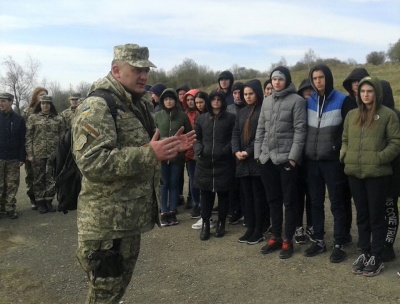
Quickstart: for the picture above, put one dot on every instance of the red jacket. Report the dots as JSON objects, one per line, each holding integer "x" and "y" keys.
{"x": 192, "y": 114}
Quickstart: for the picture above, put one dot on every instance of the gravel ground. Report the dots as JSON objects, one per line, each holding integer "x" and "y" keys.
{"x": 38, "y": 265}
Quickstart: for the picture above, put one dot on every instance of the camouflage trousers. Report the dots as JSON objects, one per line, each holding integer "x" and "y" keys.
{"x": 9, "y": 183}
{"x": 29, "y": 180}
{"x": 108, "y": 290}
{"x": 43, "y": 182}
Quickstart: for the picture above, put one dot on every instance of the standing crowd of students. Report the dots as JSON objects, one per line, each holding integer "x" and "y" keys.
{"x": 269, "y": 152}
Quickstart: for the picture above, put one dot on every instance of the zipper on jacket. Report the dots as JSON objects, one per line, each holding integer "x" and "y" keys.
{"x": 170, "y": 128}
{"x": 360, "y": 149}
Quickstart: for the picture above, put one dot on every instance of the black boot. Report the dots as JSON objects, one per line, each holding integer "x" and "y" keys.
{"x": 42, "y": 208}
{"x": 220, "y": 228}
{"x": 205, "y": 230}
{"x": 50, "y": 207}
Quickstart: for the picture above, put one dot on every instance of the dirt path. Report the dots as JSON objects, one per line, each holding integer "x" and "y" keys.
{"x": 38, "y": 265}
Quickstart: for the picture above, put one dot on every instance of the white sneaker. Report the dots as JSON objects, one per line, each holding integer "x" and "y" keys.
{"x": 199, "y": 224}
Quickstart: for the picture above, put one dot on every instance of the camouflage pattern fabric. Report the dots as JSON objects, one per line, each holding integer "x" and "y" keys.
{"x": 43, "y": 182}
{"x": 28, "y": 165}
{"x": 108, "y": 290}
{"x": 121, "y": 174}
{"x": 67, "y": 116}
{"x": 42, "y": 134}
{"x": 9, "y": 183}
{"x": 29, "y": 180}
{"x": 135, "y": 55}
{"x": 28, "y": 111}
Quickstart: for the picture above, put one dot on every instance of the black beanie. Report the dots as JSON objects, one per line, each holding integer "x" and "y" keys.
{"x": 237, "y": 86}
{"x": 286, "y": 72}
{"x": 157, "y": 89}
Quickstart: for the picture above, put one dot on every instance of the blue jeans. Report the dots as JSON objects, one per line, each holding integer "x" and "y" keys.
{"x": 170, "y": 175}
{"x": 329, "y": 173}
{"x": 191, "y": 167}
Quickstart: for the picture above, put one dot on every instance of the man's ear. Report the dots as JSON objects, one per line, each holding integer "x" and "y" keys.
{"x": 116, "y": 71}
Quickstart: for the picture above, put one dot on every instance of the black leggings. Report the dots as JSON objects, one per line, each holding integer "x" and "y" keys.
{"x": 207, "y": 203}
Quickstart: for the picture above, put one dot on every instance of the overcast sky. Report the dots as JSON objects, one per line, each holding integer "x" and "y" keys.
{"x": 74, "y": 39}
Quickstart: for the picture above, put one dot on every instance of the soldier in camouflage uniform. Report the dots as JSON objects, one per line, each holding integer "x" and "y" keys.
{"x": 12, "y": 152}
{"x": 43, "y": 131}
{"x": 67, "y": 113}
{"x": 37, "y": 93}
{"x": 120, "y": 164}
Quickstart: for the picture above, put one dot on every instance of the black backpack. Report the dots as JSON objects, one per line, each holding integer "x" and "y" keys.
{"x": 66, "y": 174}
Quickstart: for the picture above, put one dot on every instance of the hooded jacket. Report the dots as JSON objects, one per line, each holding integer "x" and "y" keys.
{"x": 169, "y": 121}
{"x": 356, "y": 75}
{"x": 281, "y": 129}
{"x": 228, "y": 94}
{"x": 235, "y": 107}
{"x": 192, "y": 114}
{"x": 324, "y": 120}
{"x": 249, "y": 166}
{"x": 305, "y": 84}
{"x": 367, "y": 152}
{"x": 215, "y": 167}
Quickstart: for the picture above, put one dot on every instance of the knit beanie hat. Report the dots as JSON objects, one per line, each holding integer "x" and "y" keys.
{"x": 284, "y": 73}
{"x": 157, "y": 89}
{"x": 237, "y": 86}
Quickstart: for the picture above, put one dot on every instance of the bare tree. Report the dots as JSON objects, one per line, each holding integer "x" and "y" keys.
{"x": 83, "y": 88}
{"x": 20, "y": 80}
{"x": 310, "y": 58}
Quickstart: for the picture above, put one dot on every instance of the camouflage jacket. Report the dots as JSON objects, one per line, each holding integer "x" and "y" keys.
{"x": 67, "y": 116}
{"x": 121, "y": 174}
{"x": 42, "y": 134}
{"x": 28, "y": 111}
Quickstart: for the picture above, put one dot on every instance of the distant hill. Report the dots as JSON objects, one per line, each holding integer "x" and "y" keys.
{"x": 387, "y": 71}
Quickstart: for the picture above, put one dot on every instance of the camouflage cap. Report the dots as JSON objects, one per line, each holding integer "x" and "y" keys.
{"x": 135, "y": 55}
{"x": 75, "y": 96}
{"x": 6, "y": 96}
{"x": 46, "y": 98}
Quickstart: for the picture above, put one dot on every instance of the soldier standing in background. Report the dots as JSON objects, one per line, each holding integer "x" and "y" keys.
{"x": 12, "y": 152}
{"x": 120, "y": 164}
{"x": 44, "y": 129}
{"x": 37, "y": 93}
{"x": 68, "y": 113}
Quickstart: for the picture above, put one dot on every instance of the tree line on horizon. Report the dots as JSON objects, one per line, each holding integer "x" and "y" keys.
{"x": 20, "y": 80}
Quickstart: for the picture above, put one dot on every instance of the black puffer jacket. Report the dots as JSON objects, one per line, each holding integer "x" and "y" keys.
{"x": 249, "y": 166}
{"x": 12, "y": 136}
{"x": 215, "y": 168}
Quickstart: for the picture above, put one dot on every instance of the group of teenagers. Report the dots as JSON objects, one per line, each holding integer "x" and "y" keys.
{"x": 269, "y": 152}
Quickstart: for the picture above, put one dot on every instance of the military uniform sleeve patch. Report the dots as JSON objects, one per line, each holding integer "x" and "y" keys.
{"x": 80, "y": 142}
{"x": 85, "y": 110}
{"x": 91, "y": 130}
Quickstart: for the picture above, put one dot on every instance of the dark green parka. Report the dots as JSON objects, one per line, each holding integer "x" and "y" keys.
{"x": 367, "y": 152}
{"x": 169, "y": 121}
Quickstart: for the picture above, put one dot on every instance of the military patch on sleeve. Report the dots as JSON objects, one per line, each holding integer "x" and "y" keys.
{"x": 91, "y": 130}
{"x": 80, "y": 142}
{"x": 85, "y": 110}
